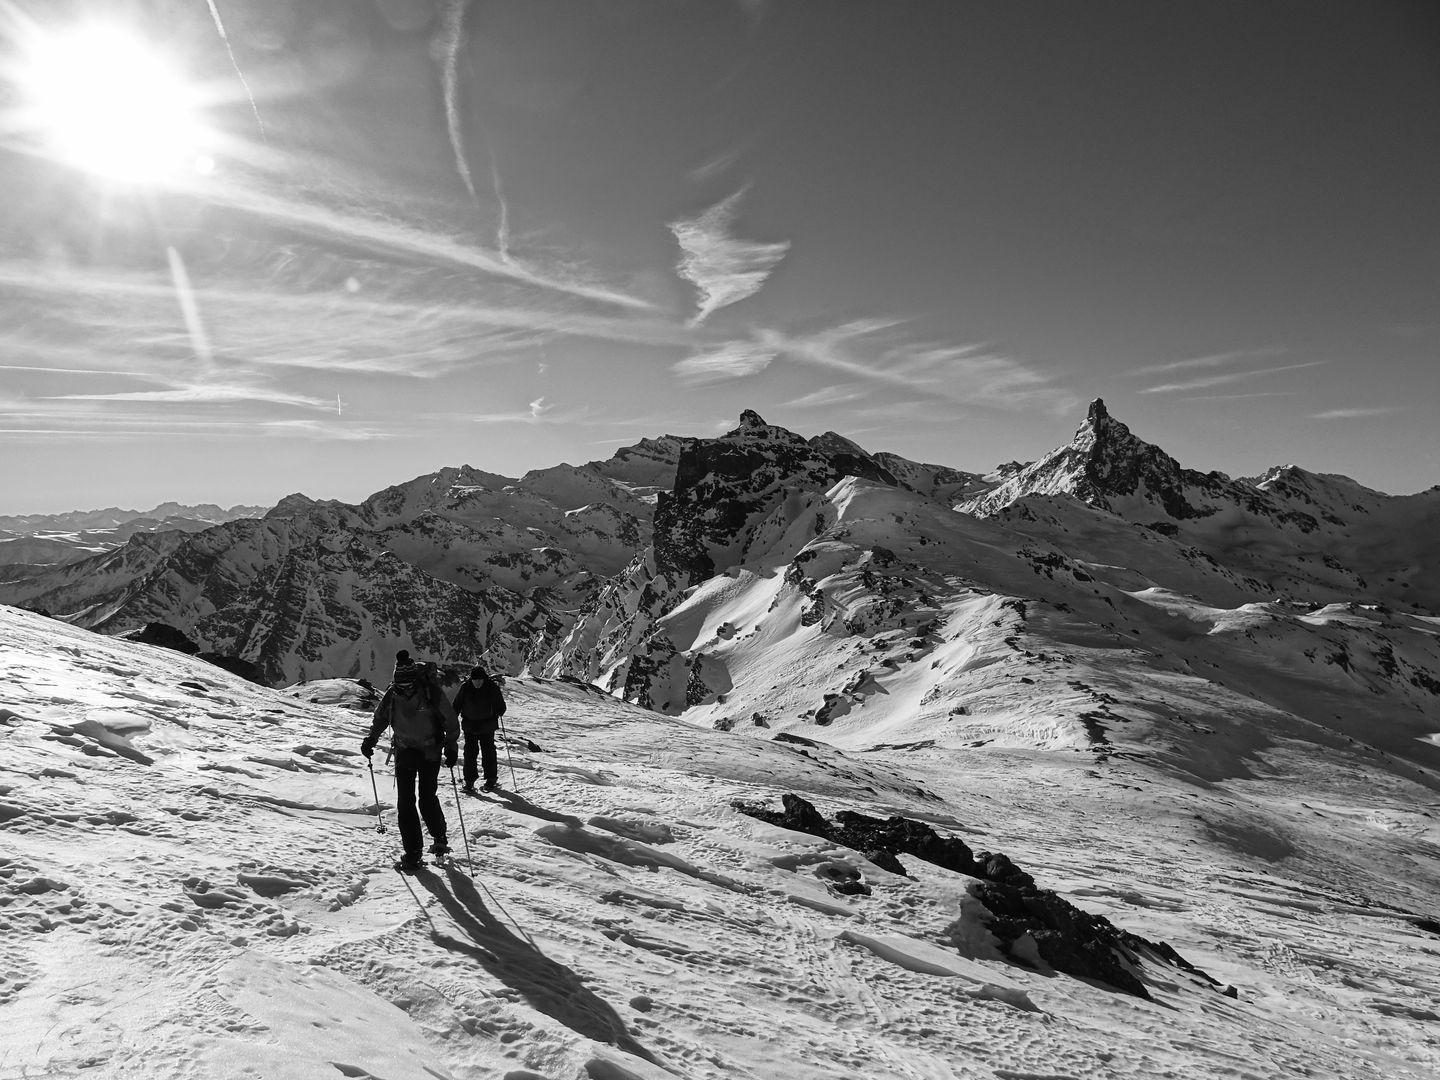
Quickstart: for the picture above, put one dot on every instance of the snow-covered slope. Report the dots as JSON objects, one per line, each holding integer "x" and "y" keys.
{"x": 191, "y": 886}
{"x": 866, "y": 614}
{"x": 805, "y": 586}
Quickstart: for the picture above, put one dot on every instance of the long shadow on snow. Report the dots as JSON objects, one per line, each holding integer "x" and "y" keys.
{"x": 549, "y": 987}
{"x": 521, "y": 805}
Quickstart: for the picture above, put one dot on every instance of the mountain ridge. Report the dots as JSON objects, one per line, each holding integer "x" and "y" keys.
{"x": 792, "y": 585}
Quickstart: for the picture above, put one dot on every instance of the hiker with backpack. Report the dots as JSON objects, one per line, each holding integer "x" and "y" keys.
{"x": 480, "y": 704}
{"x": 424, "y": 730}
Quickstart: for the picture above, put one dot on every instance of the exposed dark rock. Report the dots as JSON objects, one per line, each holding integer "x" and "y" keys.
{"x": 163, "y": 635}
{"x": 1067, "y": 938}
{"x": 724, "y": 485}
{"x": 785, "y": 736}
{"x": 236, "y": 666}
{"x": 998, "y": 867}
{"x": 908, "y": 837}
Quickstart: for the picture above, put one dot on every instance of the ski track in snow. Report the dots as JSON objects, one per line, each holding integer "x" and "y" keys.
{"x": 191, "y": 885}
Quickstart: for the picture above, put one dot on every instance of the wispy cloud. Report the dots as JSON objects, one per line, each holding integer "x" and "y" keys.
{"x": 1355, "y": 413}
{"x": 131, "y": 427}
{"x": 733, "y": 360}
{"x": 382, "y": 234}
{"x": 320, "y": 431}
{"x": 1210, "y": 360}
{"x": 538, "y": 411}
{"x": 723, "y": 268}
{"x": 838, "y": 394}
{"x": 1227, "y": 378}
{"x": 450, "y": 44}
{"x": 719, "y": 163}
{"x": 400, "y": 321}
{"x": 1241, "y": 397}
{"x": 207, "y": 393}
{"x": 966, "y": 374}
{"x": 47, "y": 370}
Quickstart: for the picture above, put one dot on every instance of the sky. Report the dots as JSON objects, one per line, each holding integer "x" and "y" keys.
{"x": 348, "y": 243}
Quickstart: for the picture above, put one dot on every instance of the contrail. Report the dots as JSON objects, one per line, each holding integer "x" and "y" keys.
{"x": 454, "y": 35}
{"x": 190, "y": 310}
{"x": 502, "y": 231}
{"x": 224, "y": 37}
{"x": 454, "y": 39}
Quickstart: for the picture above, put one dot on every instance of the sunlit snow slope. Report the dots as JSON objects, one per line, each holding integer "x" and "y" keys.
{"x": 192, "y": 886}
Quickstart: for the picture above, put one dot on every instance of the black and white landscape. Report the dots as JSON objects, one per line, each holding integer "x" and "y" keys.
{"x": 820, "y": 762}
{"x": 707, "y": 370}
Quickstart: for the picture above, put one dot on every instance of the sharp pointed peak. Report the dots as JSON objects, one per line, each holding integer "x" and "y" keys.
{"x": 753, "y": 426}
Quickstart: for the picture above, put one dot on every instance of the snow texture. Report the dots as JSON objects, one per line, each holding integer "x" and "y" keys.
{"x": 192, "y": 885}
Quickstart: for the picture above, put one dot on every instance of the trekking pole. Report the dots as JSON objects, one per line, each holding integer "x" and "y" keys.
{"x": 508, "y": 758}
{"x": 379, "y": 821}
{"x": 501, "y": 908}
{"x": 463, "y": 834}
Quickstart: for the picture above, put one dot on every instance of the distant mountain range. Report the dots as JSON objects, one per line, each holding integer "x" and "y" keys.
{"x": 767, "y": 579}
{"x": 29, "y": 542}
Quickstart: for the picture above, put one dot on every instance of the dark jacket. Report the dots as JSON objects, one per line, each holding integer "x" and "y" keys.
{"x": 480, "y": 706}
{"x": 416, "y": 709}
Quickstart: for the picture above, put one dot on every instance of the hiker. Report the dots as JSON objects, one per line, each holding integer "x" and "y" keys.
{"x": 480, "y": 704}
{"x": 417, "y": 711}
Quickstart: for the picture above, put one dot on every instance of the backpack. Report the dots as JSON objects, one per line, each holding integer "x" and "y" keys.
{"x": 418, "y": 708}
{"x": 413, "y": 719}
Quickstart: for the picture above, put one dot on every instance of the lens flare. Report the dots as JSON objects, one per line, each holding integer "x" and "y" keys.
{"x": 106, "y": 101}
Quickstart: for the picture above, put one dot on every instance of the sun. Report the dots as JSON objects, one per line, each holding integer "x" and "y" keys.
{"x": 103, "y": 99}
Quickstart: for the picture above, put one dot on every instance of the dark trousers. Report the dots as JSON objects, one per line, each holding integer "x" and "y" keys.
{"x": 480, "y": 740}
{"x": 413, "y": 769}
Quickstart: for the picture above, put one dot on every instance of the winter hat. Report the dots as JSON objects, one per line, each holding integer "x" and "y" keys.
{"x": 402, "y": 658}
{"x": 478, "y": 672}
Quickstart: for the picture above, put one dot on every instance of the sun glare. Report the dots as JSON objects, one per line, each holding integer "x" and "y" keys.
{"x": 107, "y": 101}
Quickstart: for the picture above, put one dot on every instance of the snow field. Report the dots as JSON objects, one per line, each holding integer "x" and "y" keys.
{"x": 228, "y": 909}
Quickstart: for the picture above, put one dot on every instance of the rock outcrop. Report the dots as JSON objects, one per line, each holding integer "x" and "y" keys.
{"x": 1023, "y": 916}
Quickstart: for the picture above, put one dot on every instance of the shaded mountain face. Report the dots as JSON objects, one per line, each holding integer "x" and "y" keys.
{"x": 722, "y": 486}
{"x": 458, "y": 565}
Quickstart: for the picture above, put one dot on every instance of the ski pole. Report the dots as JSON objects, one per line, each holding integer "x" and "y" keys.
{"x": 508, "y": 758}
{"x": 463, "y": 834}
{"x": 379, "y": 821}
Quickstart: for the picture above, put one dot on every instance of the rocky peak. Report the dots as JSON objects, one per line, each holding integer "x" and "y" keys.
{"x": 291, "y": 506}
{"x": 723, "y": 485}
{"x": 1103, "y": 463}
{"x": 749, "y": 418}
{"x": 833, "y": 442}
{"x": 753, "y": 428}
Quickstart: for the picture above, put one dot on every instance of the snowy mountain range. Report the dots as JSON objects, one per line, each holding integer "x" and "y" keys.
{"x": 821, "y": 763}
{"x": 31, "y": 542}
{"x": 769, "y": 580}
